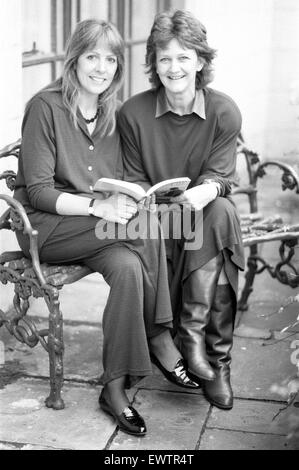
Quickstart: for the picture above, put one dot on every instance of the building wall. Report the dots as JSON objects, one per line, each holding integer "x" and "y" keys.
{"x": 11, "y": 105}
{"x": 11, "y": 84}
{"x": 258, "y": 65}
{"x": 282, "y": 111}
{"x": 11, "y": 70}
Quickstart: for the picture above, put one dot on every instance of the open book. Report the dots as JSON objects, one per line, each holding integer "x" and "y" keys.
{"x": 163, "y": 190}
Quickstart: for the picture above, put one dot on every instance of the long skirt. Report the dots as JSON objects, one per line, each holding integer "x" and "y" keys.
{"x": 213, "y": 230}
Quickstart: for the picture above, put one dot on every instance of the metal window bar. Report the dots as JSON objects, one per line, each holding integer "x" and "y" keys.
{"x": 67, "y": 19}
{"x": 34, "y": 59}
{"x": 53, "y": 37}
{"x": 130, "y": 42}
{"x": 78, "y": 10}
{"x": 119, "y": 12}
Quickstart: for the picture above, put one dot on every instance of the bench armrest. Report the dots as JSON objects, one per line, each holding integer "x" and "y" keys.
{"x": 20, "y": 221}
{"x": 290, "y": 179}
{"x": 257, "y": 169}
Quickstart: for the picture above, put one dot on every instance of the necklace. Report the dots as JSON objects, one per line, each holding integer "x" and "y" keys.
{"x": 89, "y": 121}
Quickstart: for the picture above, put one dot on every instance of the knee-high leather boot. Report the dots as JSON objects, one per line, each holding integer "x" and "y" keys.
{"x": 198, "y": 295}
{"x": 219, "y": 341}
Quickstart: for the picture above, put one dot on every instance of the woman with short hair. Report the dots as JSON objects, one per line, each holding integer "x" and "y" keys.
{"x": 183, "y": 128}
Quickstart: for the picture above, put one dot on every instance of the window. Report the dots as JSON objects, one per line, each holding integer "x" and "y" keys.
{"x": 43, "y": 42}
{"x": 135, "y": 28}
{"x": 47, "y": 25}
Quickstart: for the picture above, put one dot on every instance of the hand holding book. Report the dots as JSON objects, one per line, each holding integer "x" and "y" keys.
{"x": 117, "y": 207}
{"x": 198, "y": 197}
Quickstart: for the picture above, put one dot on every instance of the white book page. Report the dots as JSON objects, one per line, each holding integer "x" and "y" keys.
{"x": 172, "y": 185}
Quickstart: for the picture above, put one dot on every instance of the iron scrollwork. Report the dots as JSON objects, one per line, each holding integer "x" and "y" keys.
{"x": 19, "y": 325}
{"x": 16, "y": 221}
{"x": 286, "y": 252}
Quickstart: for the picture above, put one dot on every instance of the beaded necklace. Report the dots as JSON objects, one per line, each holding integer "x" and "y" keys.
{"x": 89, "y": 121}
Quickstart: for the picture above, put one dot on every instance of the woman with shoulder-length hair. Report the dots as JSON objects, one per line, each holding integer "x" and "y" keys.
{"x": 69, "y": 140}
{"x": 182, "y": 127}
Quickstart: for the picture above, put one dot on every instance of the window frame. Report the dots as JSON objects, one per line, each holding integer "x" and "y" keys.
{"x": 119, "y": 13}
{"x": 33, "y": 58}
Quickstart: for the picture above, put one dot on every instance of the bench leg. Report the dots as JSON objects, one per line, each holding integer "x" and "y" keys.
{"x": 55, "y": 350}
{"x": 249, "y": 280}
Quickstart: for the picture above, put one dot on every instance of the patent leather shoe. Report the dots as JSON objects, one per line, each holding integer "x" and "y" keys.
{"x": 129, "y": 421}
{"x": 178, "y": 375}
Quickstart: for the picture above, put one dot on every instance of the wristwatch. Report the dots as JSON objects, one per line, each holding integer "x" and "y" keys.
{"x": 90, "y": 207}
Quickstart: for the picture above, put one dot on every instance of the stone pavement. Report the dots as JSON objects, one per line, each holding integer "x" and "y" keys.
{"x": 176, "y": 419}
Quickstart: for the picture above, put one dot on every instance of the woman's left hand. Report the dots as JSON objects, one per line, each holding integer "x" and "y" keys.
{"x": 198, "y": 197}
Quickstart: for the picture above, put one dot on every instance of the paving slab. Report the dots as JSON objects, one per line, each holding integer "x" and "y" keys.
{"x": 265, "y": 315}
{"x": 26, "y": 421}
{"x": 258, "y": 364}
{"x": 252, "y": 416}
{"x": 82, "y": 356}
{"x": 7, "y": 446}
{"x": 235, "y": 440}
{"x": 174, "y": 421}
{"x": 264, "y": 302}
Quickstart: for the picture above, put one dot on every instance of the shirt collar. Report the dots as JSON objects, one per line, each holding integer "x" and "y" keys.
{"x": 163, "y": 107}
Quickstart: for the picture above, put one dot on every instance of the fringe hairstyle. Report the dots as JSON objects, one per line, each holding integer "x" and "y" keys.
{"x": 87, "y": 35}
{"x": 190, "y": 33}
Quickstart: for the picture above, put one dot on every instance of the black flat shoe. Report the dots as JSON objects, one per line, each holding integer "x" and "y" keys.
{"x": 128, "y": 421}
{"x": 178, "y": 375}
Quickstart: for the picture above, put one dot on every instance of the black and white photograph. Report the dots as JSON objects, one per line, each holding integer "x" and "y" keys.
{"x": 149, "y": 227}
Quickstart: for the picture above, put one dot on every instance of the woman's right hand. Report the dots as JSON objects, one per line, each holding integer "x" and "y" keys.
{"x": 118, "y": 208}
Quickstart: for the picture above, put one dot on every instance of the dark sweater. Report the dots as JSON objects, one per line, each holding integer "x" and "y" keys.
{"x": 172, "y": 146}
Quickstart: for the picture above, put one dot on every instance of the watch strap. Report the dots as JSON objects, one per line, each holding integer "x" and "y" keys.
{"x": 91, "y": 207}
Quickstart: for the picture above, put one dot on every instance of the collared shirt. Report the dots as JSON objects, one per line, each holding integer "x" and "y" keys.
{"x": 163, "y": 106}
{"x": 176, "y": 145}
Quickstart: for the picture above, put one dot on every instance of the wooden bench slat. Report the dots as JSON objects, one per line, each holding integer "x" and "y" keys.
{"x": 270, "y": 237}
{"x": 56, "y": 275}
{"x": 69, "y": 276}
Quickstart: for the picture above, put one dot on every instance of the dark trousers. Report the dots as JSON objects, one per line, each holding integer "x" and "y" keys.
{"x": 138, "y": 305}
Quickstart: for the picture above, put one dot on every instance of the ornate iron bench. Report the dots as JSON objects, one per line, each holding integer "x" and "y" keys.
{"x": 32, "y": 278}
{"x": 257, "y": 230}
